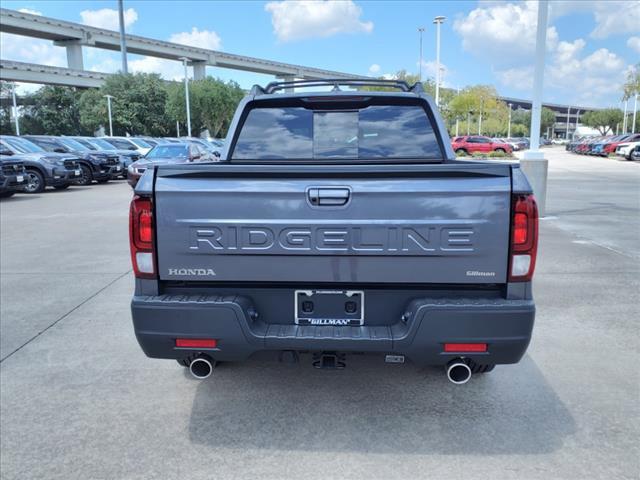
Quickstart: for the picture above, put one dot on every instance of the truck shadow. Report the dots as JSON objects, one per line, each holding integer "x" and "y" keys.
{"x": 378, "y": 408}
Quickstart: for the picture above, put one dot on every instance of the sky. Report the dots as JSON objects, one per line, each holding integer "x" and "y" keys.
{"x": 591, "y": 45}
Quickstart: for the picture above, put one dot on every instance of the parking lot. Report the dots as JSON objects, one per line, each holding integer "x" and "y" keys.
{"x": 80, "y": 400}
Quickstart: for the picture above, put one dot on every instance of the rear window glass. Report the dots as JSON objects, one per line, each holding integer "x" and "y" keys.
{"x": 121, "y": 144}
{"x": 374, "y": 132}
{"x": 169, "y": 151}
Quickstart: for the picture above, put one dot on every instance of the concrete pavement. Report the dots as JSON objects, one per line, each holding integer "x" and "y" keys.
{"x": 78, "y": 399}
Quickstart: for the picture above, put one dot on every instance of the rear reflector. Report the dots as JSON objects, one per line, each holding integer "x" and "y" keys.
{"x": 465, "y": 347}
{"x": 196, "y": 343}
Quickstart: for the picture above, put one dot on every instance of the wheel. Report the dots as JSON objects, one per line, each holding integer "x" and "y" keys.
{"x": 460, "y": 152}
{"x": 86, "y": 177}
{"x": 62, "y": 187}
{"x": 6, "y": 194}
{"x": 500, "y": 150}
{"x": 35, "y": 182}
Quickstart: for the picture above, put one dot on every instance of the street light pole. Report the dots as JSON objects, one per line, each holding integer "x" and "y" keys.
{"x": 509, "y": 128}
{"x": 534, "y": 165}
{"x": 480, "y": 119}
{"x": 109, "y": 97}
{"x": 566, "y": 135}
{"x": 15, "y": 109}
{"x": 186, "y": 94}
{"x": 624, "y": 120}
{"x": 635, "y": 112}
{"x": 438, "y": 21}
{"x": 457, "y": 116}
{"x": 420, "y": 29}
{"x": 123, "y": 42}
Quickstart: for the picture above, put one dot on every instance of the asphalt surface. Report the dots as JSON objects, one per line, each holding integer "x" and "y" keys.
{"x": 78, "y": 399}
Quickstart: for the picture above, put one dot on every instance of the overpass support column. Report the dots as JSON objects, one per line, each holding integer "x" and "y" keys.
{"x": 74, "y": 53}
{"x": 199, "y": 70}
{"x": 286, "y": 78}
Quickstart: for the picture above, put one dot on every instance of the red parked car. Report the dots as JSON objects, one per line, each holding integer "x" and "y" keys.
{"x": 610, "y": 147}
{"x": 476, "y": 143}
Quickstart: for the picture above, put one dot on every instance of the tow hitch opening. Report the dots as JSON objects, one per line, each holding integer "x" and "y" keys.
{"x": 329, "y": 360}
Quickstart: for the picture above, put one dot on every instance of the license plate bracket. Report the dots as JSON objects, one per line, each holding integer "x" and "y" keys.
{"x": 329, "y": 307}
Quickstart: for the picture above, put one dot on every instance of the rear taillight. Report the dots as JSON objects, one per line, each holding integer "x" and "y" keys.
{"x": 141, "y": 237}
{"x": 524, "y": 238}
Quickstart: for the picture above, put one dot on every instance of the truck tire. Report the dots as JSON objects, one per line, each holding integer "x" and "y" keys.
{"x": 35, "y": 182}
{"x": 86, "y": 177}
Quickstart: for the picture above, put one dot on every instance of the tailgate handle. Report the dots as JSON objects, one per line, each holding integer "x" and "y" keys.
{"x": 329, "y": 196}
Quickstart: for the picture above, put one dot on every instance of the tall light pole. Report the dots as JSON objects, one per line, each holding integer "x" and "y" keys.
{"x": 186, "y": 94}
{"x": 438, "y": 21}
{"x": 421, "y": 30}
{"x": 568, "y": 121}
{"x": 480, "y": 118}
{"x": 624, "y": 121}
{"x": 457, "y": 117}
{"x": 123, "y": 42}
{"x": 534, "y": 165}
{"x": 635, "y": 112}
{"x": 15, "y": 109}
{"x": 509, "y": 128}
{"x": 109, "y": 97}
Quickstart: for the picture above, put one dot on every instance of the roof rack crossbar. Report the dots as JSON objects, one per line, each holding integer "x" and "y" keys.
{"x": 276, "y": 86}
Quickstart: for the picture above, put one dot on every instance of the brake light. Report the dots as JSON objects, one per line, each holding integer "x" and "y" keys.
{"x": 141, "y": 237}
{"x": 524, "y": 238}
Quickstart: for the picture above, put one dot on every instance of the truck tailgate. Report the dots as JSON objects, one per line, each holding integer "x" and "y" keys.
{"x": 443, "y": 223}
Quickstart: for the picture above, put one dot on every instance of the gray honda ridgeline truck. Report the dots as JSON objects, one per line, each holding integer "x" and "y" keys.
{"x": 337, "y": 222}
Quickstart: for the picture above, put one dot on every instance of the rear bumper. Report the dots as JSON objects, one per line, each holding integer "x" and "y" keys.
{"x": 505, "y": 325}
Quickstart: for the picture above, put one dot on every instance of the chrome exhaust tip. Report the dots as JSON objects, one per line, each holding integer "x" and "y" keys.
{"x": 458, "y": 371}
{"x": 201, "y": 367}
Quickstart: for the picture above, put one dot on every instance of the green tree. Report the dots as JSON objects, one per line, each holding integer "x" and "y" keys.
{"x": 137, "y": 107}
{"x": 632, "y": 85}
{"x": 6, "y": 120}
{"x": 547, "y": 119}
{"x": 479, "y": 101}
{"x": 428, "y": 84}
{"x": 604, "y": 120}
{"x": 52, "y": 110}
{"x": 521, "y": 121}
{"x": 212, "y": 103}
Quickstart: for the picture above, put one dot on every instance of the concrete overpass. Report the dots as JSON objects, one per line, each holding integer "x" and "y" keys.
{"x": 32, "y": 73}
{"x": 74, "y": 36}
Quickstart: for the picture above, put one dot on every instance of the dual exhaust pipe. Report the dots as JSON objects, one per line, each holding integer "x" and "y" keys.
{"x": 458, "y": 372}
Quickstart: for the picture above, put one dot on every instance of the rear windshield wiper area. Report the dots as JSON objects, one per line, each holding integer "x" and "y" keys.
{"x": 346, "y": 129}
